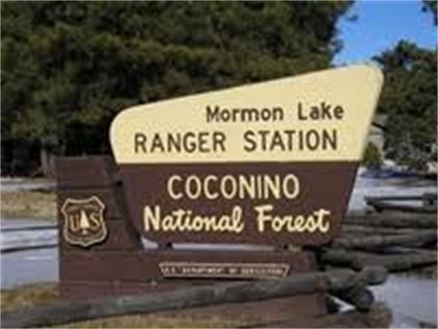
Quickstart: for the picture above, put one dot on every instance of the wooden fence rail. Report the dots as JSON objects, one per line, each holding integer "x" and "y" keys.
{"x": 393, "y": 263}
{"x": 415, "y": 239}
{"x": 8, "y": 250}
{"x": 419, "y": 197}
{"x": 420, "y": 221}
{"x": 193, "y": 297}
{"x": 29, "y": 228}
{"x": 381, "y": 203}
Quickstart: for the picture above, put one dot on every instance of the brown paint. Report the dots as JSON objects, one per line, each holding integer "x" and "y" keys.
{"x": 323, "y": 185}
{"x": 143, "y": 265}
{"x": 120, "y": 265}
{"x": 105, "y": 273}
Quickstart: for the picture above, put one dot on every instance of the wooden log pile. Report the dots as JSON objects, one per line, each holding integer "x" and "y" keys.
{"x": 377, "y": 241}
{"x": 398, "y": 240}
{"x": 392, "y": 262}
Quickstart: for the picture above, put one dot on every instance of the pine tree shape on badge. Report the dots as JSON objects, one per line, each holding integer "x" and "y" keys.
{"x": 84, "y": 223}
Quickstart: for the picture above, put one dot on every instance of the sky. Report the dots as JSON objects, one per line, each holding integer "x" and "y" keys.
{"x": 380, "y": 25}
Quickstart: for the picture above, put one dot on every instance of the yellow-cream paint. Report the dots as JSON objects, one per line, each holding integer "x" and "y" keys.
{"x": 355, "y": 88}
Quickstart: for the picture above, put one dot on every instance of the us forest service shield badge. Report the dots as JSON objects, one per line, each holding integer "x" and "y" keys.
{"x": 84, "y": 224}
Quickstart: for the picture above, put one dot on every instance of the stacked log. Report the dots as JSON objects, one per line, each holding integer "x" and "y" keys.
{"x": 393, "y": 220}
{"x": 399, "y": 241}
{"x": 393, "y": 263}
{"x": 385, "y": 203}
{"x": 414, "y": 239}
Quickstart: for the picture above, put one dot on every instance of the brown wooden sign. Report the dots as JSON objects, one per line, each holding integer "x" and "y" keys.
{"x": 268, "y": 163}
{"x": 307, "y": 209}
{"x": 265, "y": 164}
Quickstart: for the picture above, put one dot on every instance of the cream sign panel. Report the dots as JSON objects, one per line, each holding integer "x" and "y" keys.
{"x": 270, "y": 163}
{"x": 322, "y": 116}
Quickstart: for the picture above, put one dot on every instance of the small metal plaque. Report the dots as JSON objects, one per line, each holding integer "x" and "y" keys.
{"x": 224, "y": 270}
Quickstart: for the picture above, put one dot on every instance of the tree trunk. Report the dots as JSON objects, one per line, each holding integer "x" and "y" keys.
{"x": 47, "y": 159}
